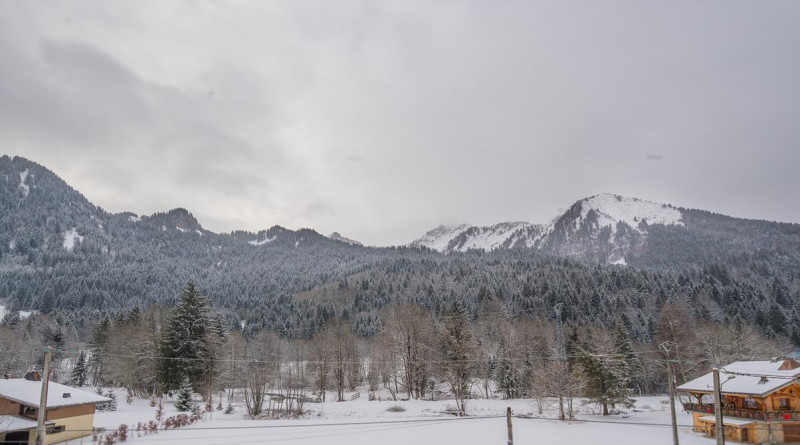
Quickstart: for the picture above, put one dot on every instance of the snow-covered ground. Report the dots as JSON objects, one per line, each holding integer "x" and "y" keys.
{"x": 22, "y": 314}
{"x": 423, "y": 422}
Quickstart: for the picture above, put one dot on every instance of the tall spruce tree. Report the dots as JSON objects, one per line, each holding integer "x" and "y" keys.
{"x": 97, "y": 346}
{"x": 459, "y": 350}
{"x": 624, "y": 347}
{"x": 607, "y": 373}
{"x": 79, "y": 372}
{"x": 185, "y": 350}
{"x": 506, "y": 375}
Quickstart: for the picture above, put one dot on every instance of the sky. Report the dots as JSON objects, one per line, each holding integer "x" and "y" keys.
{"x": 382, "y": 120}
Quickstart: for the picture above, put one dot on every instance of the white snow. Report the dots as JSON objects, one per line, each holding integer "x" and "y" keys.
{"x": 726, "y": 421}
{"x": 69, "y": 238}
{"x": 134, "y": 218}
{"x": 612, "y": 209}
{"x": 620, "y": 262}
{"x": 15, "y": 423}
{"x": 26, "y": 314}
{"x": 199, "y": 232}
{"x": 28, "y": 392}
{"x": 266, "y": 240}
{"x": 464, "y": 237}
{"x": 296, "y": 243}
{"x": 439, "y": 238}
{"x": 181, "y": 230}
{"x": 493, "y": 237}
{"x": 23, "y": 177}
{"x": 423, "y": 422}
{"x": 754, "y": 383}
{"x": 22, "y": 314}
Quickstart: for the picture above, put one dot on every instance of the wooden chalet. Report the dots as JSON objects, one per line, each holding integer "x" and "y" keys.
{"x": 69, "y": 412}
{"x": 760, "y": 402}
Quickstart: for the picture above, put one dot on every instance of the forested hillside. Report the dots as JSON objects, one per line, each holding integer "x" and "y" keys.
{"x": 63, "y": 255}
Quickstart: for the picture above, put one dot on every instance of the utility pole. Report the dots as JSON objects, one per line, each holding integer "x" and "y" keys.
{"x": 510, "y": 431}
{"x": 666, "y": 346}
{"x": 43, "y": 399}
{"x": 562, "y": 351}
{"x": 718, "y": 408}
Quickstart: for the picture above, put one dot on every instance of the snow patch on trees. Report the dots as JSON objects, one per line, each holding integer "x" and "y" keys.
{"x": 23, "y": 177}
{"x": 266, "y": 240}
{"x": 70, "y": 236}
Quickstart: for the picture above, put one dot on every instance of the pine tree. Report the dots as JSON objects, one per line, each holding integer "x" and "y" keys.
{"x": 623, "y": 346}
{"x": 506, "y": 374}
{"x": 458, "y": 347}
{"x": 97, "y": 346}
{"x": 184, "y": 402}
{"x": 186, "y": 347}
{"x": 607, "y": 373}
{"x": 112, "y": 405}
{"x": 79, "y": 372}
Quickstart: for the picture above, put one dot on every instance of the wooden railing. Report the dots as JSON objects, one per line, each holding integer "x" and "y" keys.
{"x": 745, "y": 413}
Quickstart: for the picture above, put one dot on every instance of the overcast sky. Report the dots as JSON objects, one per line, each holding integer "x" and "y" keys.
{"x": 382, "y": 120}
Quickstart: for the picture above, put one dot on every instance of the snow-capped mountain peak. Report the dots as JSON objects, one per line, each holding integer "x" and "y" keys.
{"x": 610, "y": 209}
{"x": 439, "y": 237}
{"x": 580, "y": 223}
{"x": 465, "y": 237}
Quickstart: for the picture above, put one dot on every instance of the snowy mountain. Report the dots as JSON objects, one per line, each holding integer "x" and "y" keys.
{"x": 607, "y": 227}
{"x": 59, "y": 252}
{"x": 602, "y": 227}
{"x": 465, "y": 237}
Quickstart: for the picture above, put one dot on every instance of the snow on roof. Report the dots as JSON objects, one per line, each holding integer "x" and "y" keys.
{"x": 751, "y": 378}
{"x": 726, "y": 421}
{"x": 28, "y": 392}
{"x": 15, "y": 423}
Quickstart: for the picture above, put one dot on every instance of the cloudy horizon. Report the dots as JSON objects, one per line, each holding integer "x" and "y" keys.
{"x": 382, "y": 120}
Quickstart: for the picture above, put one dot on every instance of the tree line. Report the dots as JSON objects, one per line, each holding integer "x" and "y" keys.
{"x": 416, "y": 354}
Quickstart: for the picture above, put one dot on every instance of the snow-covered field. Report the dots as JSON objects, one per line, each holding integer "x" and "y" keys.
{"x": 423, "y": 422}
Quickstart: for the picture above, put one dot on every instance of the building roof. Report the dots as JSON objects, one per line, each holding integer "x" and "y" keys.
{"x": 757, "y": 378}
{"x": 28, "y": 392}
{"x": 726, "y": 421}
{"x": 15, "y": 423}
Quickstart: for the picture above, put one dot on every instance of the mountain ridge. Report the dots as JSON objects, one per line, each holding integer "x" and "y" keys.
{"x": 61, "y": 254}
{"x": 606, "y": 228}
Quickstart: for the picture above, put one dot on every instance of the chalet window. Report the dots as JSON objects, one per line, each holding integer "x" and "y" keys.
{"x": 750, "y": 403}
{"x": 26, "y": 410}
{"x": 783, "y": 403}
{"x": 55, "y": 429}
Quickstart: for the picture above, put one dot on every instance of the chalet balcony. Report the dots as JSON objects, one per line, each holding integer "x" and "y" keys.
{"x": 745, "y": 413}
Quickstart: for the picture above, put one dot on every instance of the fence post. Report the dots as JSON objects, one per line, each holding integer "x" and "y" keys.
{"x": 510, "y": 431}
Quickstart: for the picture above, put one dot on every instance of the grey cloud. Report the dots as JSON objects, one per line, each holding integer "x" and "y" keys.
{"x": 254, "y": 114}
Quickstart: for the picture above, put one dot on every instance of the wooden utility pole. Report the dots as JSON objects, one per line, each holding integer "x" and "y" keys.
{"x": 666, "y": 346}
{"x": 510, "y": 431}
{"x": 43, "y": 399}
{"x": 718, "y": 409}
